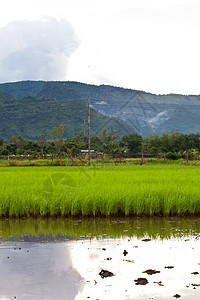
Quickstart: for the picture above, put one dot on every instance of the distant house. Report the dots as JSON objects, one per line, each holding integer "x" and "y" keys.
{"x": 84, "y": 152}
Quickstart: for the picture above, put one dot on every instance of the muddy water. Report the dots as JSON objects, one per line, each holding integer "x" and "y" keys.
{"x": 62, "y": 259}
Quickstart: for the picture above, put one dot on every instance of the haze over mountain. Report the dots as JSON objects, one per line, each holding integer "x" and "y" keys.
{"x": 31, "y": 108}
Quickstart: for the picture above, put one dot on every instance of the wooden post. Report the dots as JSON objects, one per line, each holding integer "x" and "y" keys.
{"x": 88, "y": 130}
{"x": 164, "y": 157}
{"x": 187, "y": 156}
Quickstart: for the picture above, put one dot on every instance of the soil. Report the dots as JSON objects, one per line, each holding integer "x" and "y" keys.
{"x": 141, "y": 281}
{"x": 177, "y": 296}
{"x": 146, "y": 240}
{"x": 105, "y": 273}
{"x": 151, "y": 272}
{"x": 125, "y": 252}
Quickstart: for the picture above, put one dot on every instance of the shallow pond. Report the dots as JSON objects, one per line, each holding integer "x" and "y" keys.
{"x": 62, "y": 259}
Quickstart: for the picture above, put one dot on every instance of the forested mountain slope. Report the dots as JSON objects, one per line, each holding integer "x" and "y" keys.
{"x": 142, "y": 112}
{"x": 32, "y": 117}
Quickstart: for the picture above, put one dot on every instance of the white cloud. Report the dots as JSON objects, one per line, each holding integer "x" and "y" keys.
{"x": 149, "y": 45}
{"x": 36, "y": 49}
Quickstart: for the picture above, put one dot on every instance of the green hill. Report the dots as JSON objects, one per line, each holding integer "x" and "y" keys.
{"x": 32, "y": 117}
{"x": 129, "y": 110}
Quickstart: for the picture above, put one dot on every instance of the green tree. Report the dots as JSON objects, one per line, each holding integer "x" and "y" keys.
{"x": 133, "y": 142}
{"x": 80, "y": 140}
{"x": 42, "y": 142}
{"x": 20, "y": 142}
{"x": 153, "y": 143}
{"x": 56, "y": 136}
{"x": 71, "y": 148}
{"x": 13, "y": 140}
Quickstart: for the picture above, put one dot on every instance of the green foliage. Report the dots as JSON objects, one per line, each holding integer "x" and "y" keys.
{"x": 56, "y": 136}
{"x": 172, "y": 156}
{"x": 133, "y": 143}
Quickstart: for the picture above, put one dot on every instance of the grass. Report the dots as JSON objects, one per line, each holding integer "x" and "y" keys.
{"x": 24, "y": 162}
{"x": 100, "y": 191}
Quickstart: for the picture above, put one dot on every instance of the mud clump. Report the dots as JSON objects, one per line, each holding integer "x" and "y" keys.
{"x": 105, "y": 273}
{"x": 195, "y": 273}
{"x": 177, "y": 296}
{"x": 125, "y": 252}
{"x": 146, "y": 240}
{"x": 151, "y": 272}
{"x": 169, "y": 267}
{"x": 141, "y": 281}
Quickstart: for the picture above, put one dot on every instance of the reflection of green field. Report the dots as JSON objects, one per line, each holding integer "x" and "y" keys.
{"x": 108, "y": 190}
{"x": 60, "y": 228}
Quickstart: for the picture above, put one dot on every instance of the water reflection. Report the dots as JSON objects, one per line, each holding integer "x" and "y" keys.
{"x": 61, "y": 259}
{"x": 38, "y": 271}
{"x": 62, "y": 229}
{"x": 183, "y": 256}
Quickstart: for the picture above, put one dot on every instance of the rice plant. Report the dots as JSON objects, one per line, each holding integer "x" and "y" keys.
{"x": 130, "y": 190}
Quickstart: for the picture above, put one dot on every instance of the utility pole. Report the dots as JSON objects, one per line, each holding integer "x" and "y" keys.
{"x": 88, "y": 130}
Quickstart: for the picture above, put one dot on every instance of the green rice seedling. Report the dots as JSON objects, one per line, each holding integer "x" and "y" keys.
{"x": 162, "y": 190}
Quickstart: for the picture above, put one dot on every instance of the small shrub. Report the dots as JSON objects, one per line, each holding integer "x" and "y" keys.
{"x": 172, "y": 156}
{"x": 12, "y": 163}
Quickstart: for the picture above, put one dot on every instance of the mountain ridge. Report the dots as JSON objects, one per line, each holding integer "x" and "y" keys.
{"x": 139, "y": 111}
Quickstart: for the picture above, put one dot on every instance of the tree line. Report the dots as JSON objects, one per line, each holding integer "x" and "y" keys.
{"x": 173, "y": 144}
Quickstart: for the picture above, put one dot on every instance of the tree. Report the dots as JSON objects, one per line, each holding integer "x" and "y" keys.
{"x": 12, "y": 148}
{"x": 13, "y": 140}
{"x": 71, "y": 148}
{"x": 153, "y": 143}
{"x": 56, "y": 136}
{"x": 80, "y": 140}
{"x": 42, "y": 142}
{"x": 31, "y": 147}
{"x": 133, "y": 142}
{"x": 102, "y": 135}
{"x": 165, "y": 142}
{"x": 20, "y": 142}
{"x": 114, "y": 135}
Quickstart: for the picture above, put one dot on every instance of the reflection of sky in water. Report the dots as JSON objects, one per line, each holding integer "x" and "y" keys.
{"x": 70, "y": 270}
{"x": 89, "y": 258}
{"x": 45, "y": 272}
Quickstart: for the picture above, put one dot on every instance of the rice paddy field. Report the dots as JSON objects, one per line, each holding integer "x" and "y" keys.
{"x": 129, "y": 190}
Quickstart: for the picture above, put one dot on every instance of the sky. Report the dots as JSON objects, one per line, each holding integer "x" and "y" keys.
{"x": 149, "y": 45}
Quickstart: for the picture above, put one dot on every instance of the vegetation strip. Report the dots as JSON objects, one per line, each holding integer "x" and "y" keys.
{"x": 100, "y": 191}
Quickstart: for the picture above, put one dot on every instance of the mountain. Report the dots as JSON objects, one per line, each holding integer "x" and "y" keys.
{"x": 32, "y": 117}
{"x": 125, "y": 109}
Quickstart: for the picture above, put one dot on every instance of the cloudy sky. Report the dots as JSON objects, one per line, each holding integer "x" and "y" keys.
{"x": 150, "y": 45}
